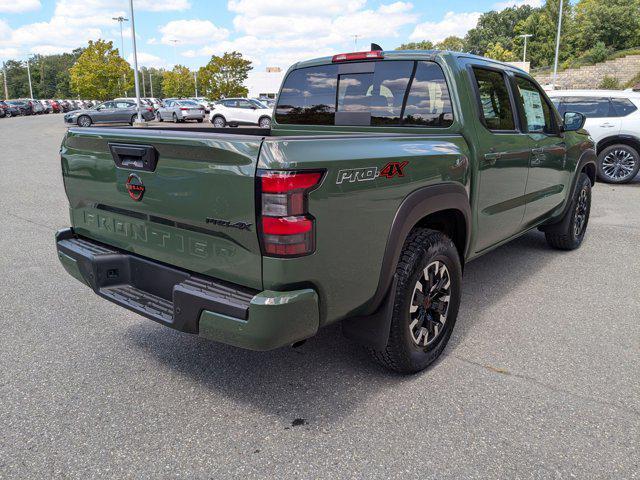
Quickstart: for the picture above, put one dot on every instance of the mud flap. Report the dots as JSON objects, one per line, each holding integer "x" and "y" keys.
{"x": 373, "y": 330}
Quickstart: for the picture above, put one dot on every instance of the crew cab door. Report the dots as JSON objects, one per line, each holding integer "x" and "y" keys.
{"x": 503, "y": 158}
{"x": 548, "y": 175}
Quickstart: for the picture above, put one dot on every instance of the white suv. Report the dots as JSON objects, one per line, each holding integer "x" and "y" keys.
{"x": 613, "y": 121}
{"x": 240, "y": 111}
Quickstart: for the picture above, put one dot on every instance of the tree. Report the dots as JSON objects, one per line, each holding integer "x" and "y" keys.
{"x": 496, "y": 27}
{"x": 224, "y": 76}
{"x": 99, "y": 72}
{"x": 616, "y": 23}
{"x": 452, "y": 43}
{"x": 423, "y": 45}
{"x": 543, "y": 25}
{"x": 498, "y": 52}
{"x": 178, "y": 82}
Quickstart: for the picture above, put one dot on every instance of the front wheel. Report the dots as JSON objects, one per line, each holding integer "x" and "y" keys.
{"x": 427, "y": 299}
{"x": 219, "y": 122}
{"x": 84, "y": 121}
{"x": 159, "y": 117}
{"x": 569, "y": 233}
{"x": 618, "y": 164}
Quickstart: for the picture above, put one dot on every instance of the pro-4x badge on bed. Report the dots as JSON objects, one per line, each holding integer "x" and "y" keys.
{"x": 390, "y": 170}
{"x": 135, "y": 187}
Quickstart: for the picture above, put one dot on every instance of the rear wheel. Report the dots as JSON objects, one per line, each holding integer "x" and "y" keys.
{"x": 618, "y": 164}
{"x": 133, "y": 119}
{"x": 159, "y": 117}
{"x": 84, "y": 121}
{"x": 9, "y": 115}
{"x": 175, "y": 118}
{"x": 265, "y": 122}
{"x": 426, "y": 304}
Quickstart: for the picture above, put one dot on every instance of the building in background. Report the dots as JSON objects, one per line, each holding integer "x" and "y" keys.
{"x": 265, "y": 84}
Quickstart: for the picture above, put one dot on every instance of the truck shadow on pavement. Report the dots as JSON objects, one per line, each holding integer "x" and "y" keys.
{"x": 329, "y": 377}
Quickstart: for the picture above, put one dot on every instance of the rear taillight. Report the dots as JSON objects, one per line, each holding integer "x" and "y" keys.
{"x": 286, "y": 227}
{"x": 184, "y": 109}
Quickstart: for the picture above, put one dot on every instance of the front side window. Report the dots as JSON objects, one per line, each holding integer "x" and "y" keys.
{"x": 535, "y": 109}
{"x": 494, "y": 99}
{"x": 623, "y": 106}
{"x": 589, "y": 107}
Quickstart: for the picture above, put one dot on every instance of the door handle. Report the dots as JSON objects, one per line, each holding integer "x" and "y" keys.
{"x": 134, "y": 157}
{"x": 491, "y": 158}
{"x": 537, "y": 151}
{"x": 607, "y": 125}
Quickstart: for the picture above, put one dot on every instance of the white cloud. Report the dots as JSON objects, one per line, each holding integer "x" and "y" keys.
{"x": 261, "y": 8}
{"x": 191, "y": 32}
{"x": 452, "y": 24}
{"x": 148, "y": 60}
{"x": 19, "y": 6}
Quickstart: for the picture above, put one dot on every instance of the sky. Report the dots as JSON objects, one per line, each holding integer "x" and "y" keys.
{"x": 268, "y": 32}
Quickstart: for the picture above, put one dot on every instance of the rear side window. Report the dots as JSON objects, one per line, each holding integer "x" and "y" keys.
{"x": 393, "y": 93}
{"x": 623, "y": 106}
{"x": 308, "y": 96}
{"x": 589, "y": 107}
{"x": 495, "y": 104}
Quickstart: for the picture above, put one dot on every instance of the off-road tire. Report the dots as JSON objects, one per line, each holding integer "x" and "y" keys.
{"x": 422, "y": 248}
{"x": 564, "y": 235}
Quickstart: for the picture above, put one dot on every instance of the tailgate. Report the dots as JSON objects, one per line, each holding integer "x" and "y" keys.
{"x": 194, "y": 210}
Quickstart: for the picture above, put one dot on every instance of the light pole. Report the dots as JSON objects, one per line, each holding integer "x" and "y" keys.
{"x": 355, "y": 41}
{"x": 524, "y": 51}
{"x": 135, "y": 61}
{"x": 555, "y": 63}
{"x": 4, "y": 76}
{"x": 151, "y": 83}
{"x": 144, "y": 84}
{"x": 29, "y": 75}
{"x": 195, "y": 80}
{"x": 121, "y": 20}
{"x": 175, "y": 53}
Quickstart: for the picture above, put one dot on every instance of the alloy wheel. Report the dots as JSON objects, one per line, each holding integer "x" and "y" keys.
{"x": 582, "y": 209}
{"x": 618, "y": 164}
{"x": 430, "y": 304}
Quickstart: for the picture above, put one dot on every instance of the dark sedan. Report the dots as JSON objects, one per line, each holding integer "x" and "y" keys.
{"x": 23, "y": 106}
{"x": 9, "y": 110}
{"x": 108, "y": 112}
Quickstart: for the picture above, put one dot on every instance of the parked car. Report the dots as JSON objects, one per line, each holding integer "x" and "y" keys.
{"x": 9, "y": 110}
{"x": 36, "y": 106}
{"x": 180, "y": 111}
{"x": 108, "y": 112}
{"x": 55, "y": 106}
{"x": 269, "y": 102}
{"x": 204, "y": 102}
{"x": 24, "y": 107}
{"x": 386, "y": 174}
{"x": 2, "y": 112}
{"x": 613, "y": 121}
{"x": 240, "y": 111}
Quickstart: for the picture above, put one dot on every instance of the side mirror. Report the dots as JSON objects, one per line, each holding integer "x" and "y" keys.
{"x": 573, "y": 121}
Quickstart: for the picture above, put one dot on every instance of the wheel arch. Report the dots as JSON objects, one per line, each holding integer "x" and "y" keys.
{"x": 443, "y": 207}
{"x": 629, "y": 140}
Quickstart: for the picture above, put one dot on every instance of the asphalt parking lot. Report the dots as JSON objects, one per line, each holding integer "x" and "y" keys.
{"x": 540, "y": 380}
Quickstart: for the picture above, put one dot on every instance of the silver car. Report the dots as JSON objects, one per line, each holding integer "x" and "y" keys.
{"x": 180, "y": 111}
{"x": 108, "y": 112}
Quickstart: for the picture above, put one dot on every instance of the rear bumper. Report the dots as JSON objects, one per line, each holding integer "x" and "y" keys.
{"x": 211, "y": 308}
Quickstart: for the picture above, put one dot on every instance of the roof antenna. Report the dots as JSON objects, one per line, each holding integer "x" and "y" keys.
{"x": 375, "y": 47}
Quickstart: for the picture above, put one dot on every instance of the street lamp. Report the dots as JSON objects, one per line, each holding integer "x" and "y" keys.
{"x": 121, "y": 20}
{"x": 355, "y": 41}
{"x": 4, "y": 77}
{"x": 555, "y": 63}
{"x": 29, "y": 75}
{"x": 524, "y": 52}
{"x": 135, "y": 61}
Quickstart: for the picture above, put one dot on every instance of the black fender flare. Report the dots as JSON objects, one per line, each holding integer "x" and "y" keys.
{"x": 372, "y": 327}
{"x": 587, "y": 157}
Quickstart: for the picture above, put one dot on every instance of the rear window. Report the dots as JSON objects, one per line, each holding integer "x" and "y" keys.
{"x": 623, "y": 106}
{"x": 391, "y": 93}
{"x": 589, "y": 107}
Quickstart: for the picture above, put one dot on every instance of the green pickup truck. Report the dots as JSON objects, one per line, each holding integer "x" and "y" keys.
{"x": 383, "y": 174}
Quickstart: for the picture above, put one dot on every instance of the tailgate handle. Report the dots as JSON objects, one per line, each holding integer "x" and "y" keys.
{"x": 134, "y": 157}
